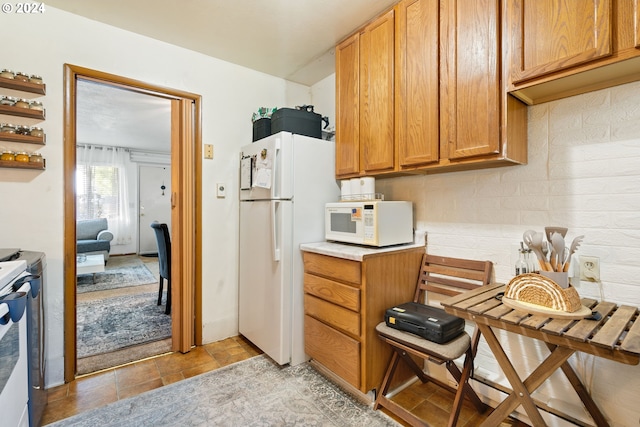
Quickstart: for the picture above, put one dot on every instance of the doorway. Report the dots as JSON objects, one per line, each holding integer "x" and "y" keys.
{"x": 185, "y": 202}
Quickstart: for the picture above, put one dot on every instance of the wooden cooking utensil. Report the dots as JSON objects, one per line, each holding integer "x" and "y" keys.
{"x": 534, "y": 241}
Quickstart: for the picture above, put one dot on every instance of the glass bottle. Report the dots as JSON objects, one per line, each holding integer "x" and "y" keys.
{"x": 521, "y": 264}
{"x": 532, "y": 261}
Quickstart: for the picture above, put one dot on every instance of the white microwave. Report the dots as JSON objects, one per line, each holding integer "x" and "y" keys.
{"x": 371, "y": 223}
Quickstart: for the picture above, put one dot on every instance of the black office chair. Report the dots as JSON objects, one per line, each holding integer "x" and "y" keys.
{"x": 164, "y": 260}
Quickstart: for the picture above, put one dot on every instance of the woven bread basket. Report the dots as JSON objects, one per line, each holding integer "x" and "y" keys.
{"x": 536, "y": 289}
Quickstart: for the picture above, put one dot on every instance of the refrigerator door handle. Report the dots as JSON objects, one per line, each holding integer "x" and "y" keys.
{"x": 275, "y": 231}
{"x": 275, "y": 178}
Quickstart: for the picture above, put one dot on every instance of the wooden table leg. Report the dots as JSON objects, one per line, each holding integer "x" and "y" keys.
{"x": 521, "y": 394}
{"x": 582, "y": 392}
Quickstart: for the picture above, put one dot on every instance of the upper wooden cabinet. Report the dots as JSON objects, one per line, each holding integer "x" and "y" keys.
{"x": 348, "y": 106}
{"x": 417, "y": 89}
{"x": 470, "y": 88}
{"x": 364, "y": 99}
{"x": 560, "y": 48}
{"x": 554, "y": 35}
{"x": 440, "y": 92}
{"x": 376, "y": 94}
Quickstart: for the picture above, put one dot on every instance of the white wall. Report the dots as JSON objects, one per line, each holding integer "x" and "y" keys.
{"x": 583, "y": 173}
{"x": 32, "y": 214}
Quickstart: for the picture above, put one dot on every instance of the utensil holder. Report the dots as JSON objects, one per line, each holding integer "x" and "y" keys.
{"x": 561, "y": 278}
{"x": 17, "y": 302}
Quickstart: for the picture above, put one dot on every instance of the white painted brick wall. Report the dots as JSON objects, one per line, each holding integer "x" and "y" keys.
{"x": 583, "y": 173}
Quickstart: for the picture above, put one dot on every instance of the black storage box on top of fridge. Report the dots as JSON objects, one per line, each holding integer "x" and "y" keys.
{"x": 301, "y": 121}
{"x": 431, "y": 323}
{"x": 261, "y": 128}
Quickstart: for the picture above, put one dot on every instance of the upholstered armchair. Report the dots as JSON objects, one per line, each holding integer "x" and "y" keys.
{"x": 93, "y": 237}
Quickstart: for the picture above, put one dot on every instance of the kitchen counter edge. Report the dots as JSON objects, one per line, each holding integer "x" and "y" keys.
{"x": 353, "y": 252}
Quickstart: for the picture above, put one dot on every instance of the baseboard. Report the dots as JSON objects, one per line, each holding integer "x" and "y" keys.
{"x": 366, "y": 398}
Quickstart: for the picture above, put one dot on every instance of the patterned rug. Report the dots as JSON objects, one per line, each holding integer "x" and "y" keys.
{"x": 115, "y": 277}
{"x": 109, "y": 324}
{"x": 255, "y": 392}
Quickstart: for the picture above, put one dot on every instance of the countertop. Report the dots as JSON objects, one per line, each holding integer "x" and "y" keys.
{"x": 353, "y": 252}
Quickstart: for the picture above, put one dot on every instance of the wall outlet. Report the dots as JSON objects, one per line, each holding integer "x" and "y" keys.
{"x": 221, "y": 191}
{"x": 590, "y": 268}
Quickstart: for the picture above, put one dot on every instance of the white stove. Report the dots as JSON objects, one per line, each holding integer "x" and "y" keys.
{"x": 14, "y": 381}
{"x": 9, "y": 271}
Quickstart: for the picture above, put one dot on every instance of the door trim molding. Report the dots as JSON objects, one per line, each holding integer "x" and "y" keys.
{"x": 188, "y": 168}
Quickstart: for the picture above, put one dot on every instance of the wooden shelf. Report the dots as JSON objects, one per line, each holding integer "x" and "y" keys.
{"x": 22, "y": 165}
{"x": 40, "y": 89}
{"x": 22, "y": 112}
{"x": 25, "y": 139}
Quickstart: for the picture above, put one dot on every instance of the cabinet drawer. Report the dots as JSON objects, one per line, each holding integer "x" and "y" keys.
{"x": 346, "y": 320}
{"x": 338, "y": 352}
{"x": 343, "y": 270}
{"x": 343, "y": 295}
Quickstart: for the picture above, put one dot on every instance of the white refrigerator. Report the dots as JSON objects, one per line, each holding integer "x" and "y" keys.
{"x": 285, "y": 181}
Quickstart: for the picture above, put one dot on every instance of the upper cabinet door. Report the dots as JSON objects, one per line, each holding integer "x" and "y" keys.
{"x": 416, "y": 77}
{"x": 347, "y": 106}
{"x": 470, "y": 87}
{"x": 552, "y": 35}
{"x": 376, "y": 95}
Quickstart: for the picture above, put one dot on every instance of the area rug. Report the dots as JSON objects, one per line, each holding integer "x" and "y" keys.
{"x": 98, "y": 362}
{"x": 113, "y": 278}
{"x": 109, "y": 324}
{"x": 254, "y": 392}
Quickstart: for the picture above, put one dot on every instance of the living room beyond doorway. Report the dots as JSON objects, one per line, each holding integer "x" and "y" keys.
{"x": 118, "y": 319}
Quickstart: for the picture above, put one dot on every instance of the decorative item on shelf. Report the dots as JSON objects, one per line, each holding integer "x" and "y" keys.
{"x": 22, "y": 77}
{"x": 36, "y": 105}
{"x": 8, "y": 128}
{"x": 22, "y": 156}
{"x": 35, "y": 79}
{"x": 8, "y": 74}
{"x": 22, "y": 103}
{"x": 7, "y": 156}
{"x": 36, "y": 158}
{"x": 36, "y": 131}
{"x": 8, "y": 100}
{"x": 22, "y": 82}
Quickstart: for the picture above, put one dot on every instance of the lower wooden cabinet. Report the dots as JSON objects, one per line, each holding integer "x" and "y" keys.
{"x": 344, "y": 301}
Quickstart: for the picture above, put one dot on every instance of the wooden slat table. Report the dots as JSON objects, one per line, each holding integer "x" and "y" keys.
{"x": 616, "y": 336}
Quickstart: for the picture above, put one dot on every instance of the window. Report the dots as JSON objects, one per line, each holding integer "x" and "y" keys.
{"x": 102, "y": 188}
{"x": 97, "y": 192}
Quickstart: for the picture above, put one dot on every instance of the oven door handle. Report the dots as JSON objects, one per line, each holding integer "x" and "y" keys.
{"x": 35, "y": 280}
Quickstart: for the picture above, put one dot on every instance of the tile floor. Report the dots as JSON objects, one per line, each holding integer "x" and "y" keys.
{"x": 426, "y": 400}
{"x": 110, "y": 385}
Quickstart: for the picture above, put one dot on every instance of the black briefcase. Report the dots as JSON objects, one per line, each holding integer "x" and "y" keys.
{"x": 431, "y": 323}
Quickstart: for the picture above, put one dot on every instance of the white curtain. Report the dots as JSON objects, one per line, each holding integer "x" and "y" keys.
{"x": 102, "y": 188}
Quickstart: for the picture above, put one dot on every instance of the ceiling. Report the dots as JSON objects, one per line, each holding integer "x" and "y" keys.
{"x": 290, "y": 39}
{"x": 109, "y": 115}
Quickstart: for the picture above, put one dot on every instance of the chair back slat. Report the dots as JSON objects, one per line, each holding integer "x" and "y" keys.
{"x": 450, "y": 276}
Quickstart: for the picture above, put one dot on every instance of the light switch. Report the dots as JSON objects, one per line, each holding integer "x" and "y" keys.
{"x": 221, "y": 191}
{"x": 208, "y": 151}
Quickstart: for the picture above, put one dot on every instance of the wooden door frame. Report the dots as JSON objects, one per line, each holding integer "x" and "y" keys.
{"x": 186, "y": 289}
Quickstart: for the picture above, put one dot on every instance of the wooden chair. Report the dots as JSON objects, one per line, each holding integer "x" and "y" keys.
{"x": 449, "y": 277}
{"x": 164, "y": 260}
